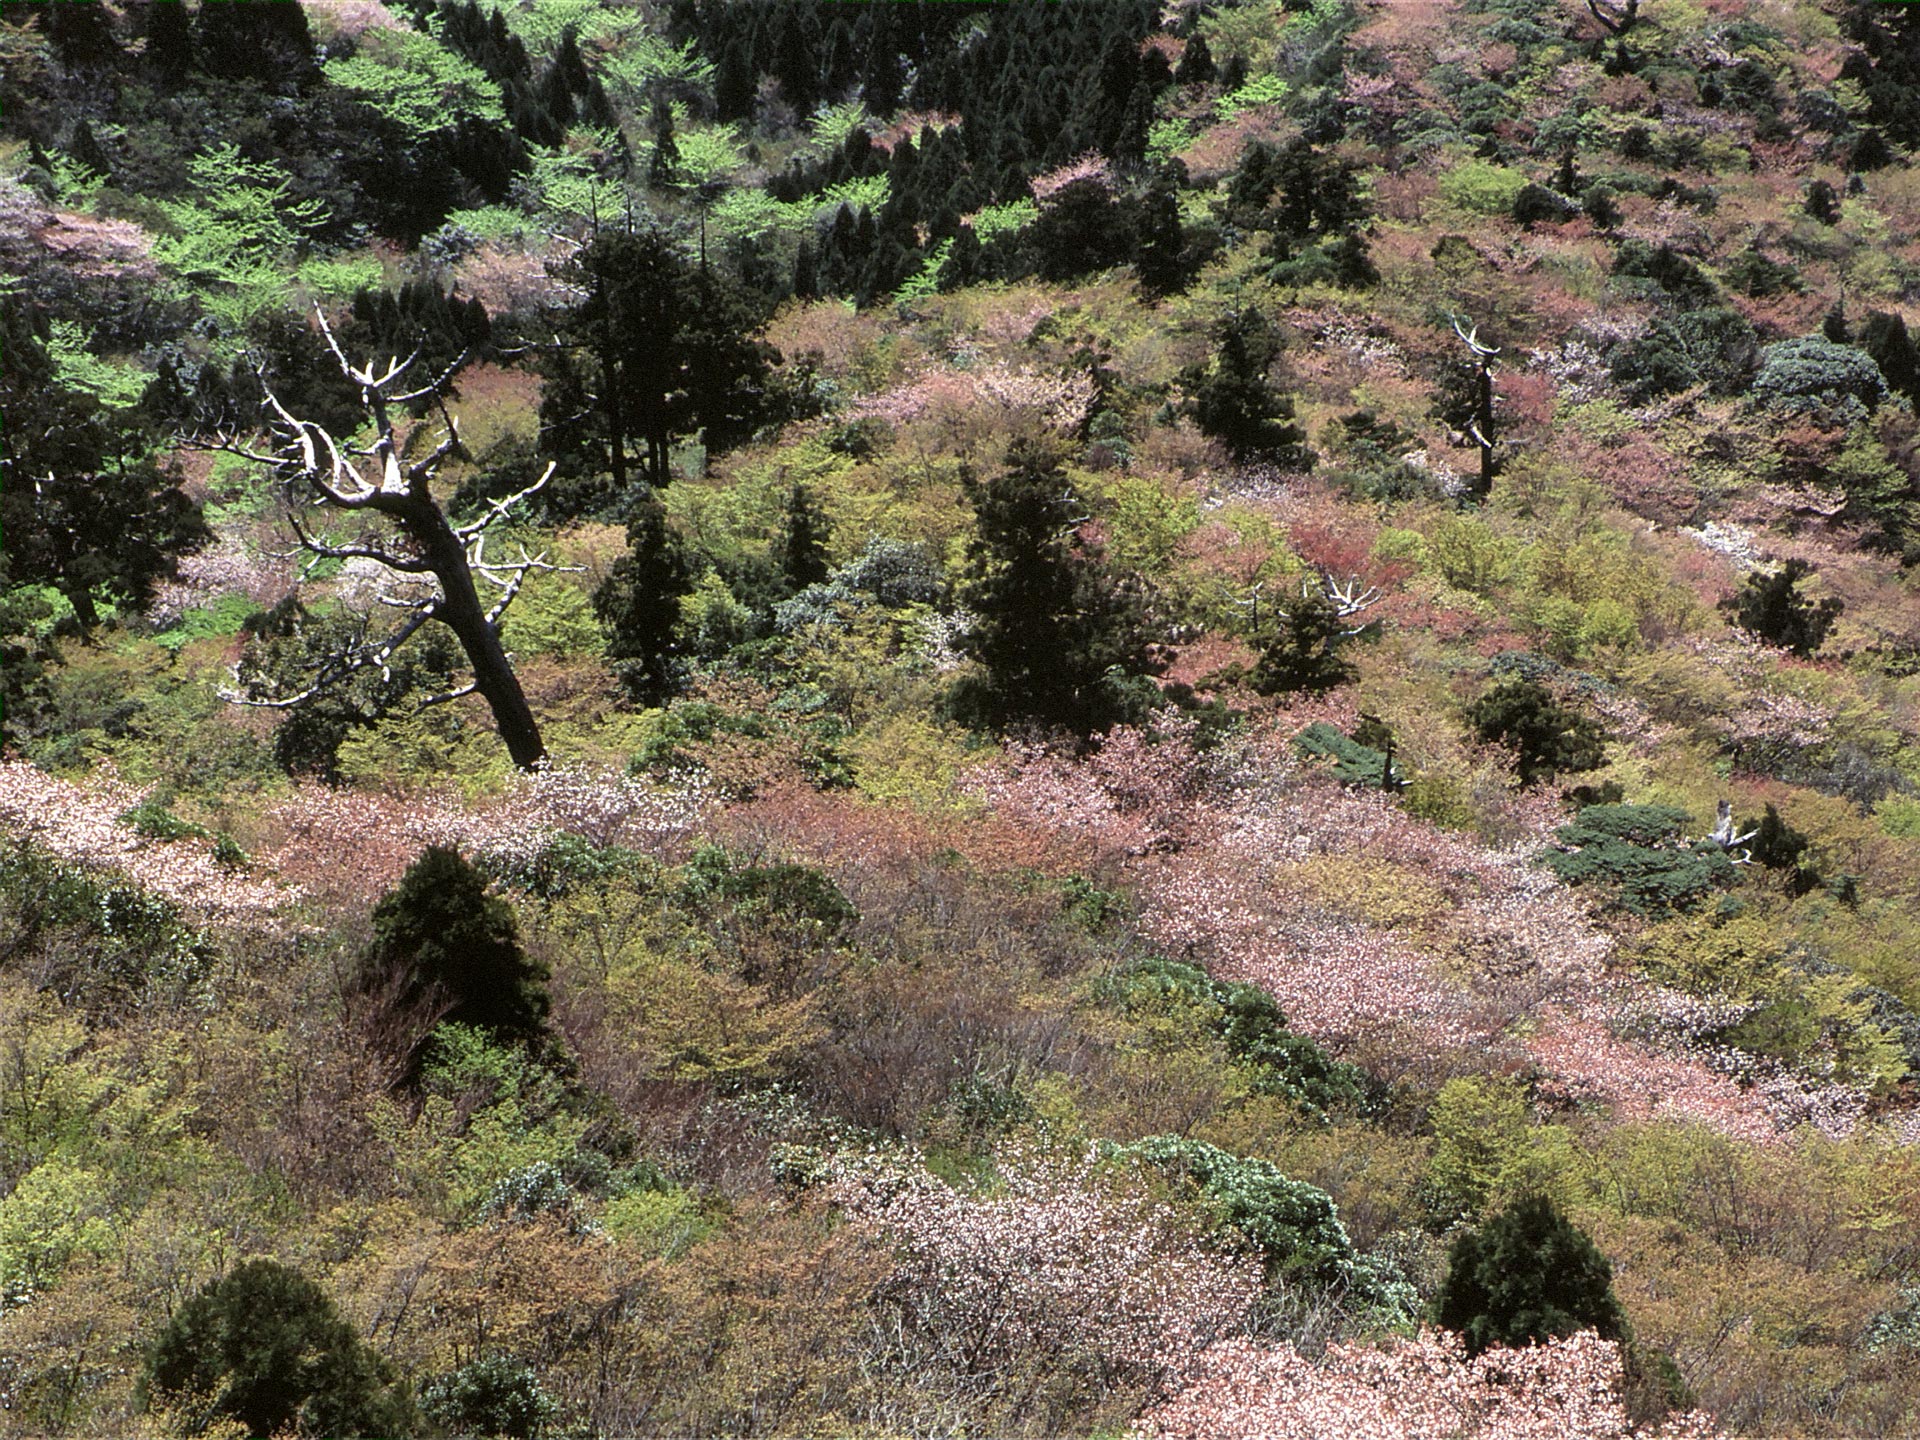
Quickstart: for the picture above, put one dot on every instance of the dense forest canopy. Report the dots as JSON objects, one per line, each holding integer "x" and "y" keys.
{"x": 1172, "y": 719}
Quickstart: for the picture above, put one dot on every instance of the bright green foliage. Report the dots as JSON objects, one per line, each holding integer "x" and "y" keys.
{"x": 994, "y": 221}
{"x": 1526, "y": 1276}
{"x": 440, "y": 939}
{"x": 1482, "y": 187}
{"x": 235, "y": 234}
{"x": 1636, "y": 851}
{"x": 1547, "y": 738}
{"x": 75, "y": 367}
{"x": 1484, "y": 1147}
{"x": 264, "y": 1346}
{"x": 1814, "y": 376}
{"x": 1261, "y": 90}
{"x": 417, "y": 83}
{"x": 58, "y": 1211}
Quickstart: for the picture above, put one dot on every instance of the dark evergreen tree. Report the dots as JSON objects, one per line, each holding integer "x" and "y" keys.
{"x": 639, "y": 603}
{"x": 1527, "y": 1276}
{"x": 169, "y": 39}
{"x": 1834, "y": 324}
{"x": 264, "y": 1346}
{"x": 1160, "y": 253}
{"x": 1823, "y": 203}
{"x": 806, "y": 270}
{"x": 1303, "y": 653}
{"x": 803, "y": 542}
{"x": 1771, "y": 606}
{"x": 663, "y": 167}
{"x": 85, "y": 148}
{"x": 1196, "y": 63}
{"x": 1547, "y": 738}
{"x": 84, "y": 506}
{"x": 1233, "y": 400}
{"x": 663, "y": 348}
{"x": 440, "y": 940}
{"x": 263, "y": 40}
{"x": 1884, "y": 336}
{"x": 1058, "y": 638}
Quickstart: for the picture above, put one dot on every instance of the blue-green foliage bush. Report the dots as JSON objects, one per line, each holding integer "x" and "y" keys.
{"x": 494, "y": 1395}
{"x": 130, "y": 940}
{"x": 1637, "y": 852}
{"x": 889, "y": 573}
{"x": 1354, "y": 763}
{"x": 1294, "y": 1227}
{"x": 1813, "y": 376}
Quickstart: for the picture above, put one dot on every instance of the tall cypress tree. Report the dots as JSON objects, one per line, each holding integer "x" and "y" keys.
{"x": 1057, "y": 635}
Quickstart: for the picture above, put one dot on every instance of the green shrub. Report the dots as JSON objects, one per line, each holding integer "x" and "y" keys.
{"x": 1636, "y": 850}
{"x": 1547, "y": 738}
{"x": 1526, "y": 1276}
{"x": 264, "y": 1346}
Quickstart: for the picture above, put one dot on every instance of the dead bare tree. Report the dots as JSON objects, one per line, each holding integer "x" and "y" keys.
{"x": 1480, "y": 423}
{"x": 1617, "y": 18}
{"x": 417, "y": 540}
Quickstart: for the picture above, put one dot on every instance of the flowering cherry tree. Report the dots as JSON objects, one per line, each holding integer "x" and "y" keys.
{"x": 1061, "y": 1260}
{"x": 1423, "y": 1389}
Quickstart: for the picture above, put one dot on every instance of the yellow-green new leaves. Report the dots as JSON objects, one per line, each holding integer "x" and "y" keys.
{"x": 417, "y": 83}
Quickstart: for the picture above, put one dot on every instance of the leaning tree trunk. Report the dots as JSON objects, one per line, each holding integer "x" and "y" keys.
{"x": 460, "y": 610}
{"x": 374, "y": 479}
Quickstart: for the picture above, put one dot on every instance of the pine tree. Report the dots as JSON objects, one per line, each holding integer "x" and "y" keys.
{"x": 639, "y": 603}
{"x": 1526, "y": 1276}
{"x": 1772, "y": 607}
{"x": 803, "y": 545}
{"x": 1304, "y": 653}
{"x": 1056, "y": 635}
{"x": 264, "y": 1346}
{"x": 663, "y": 169}
{"x": 440, "y": 939}
{"x": 1233, "y": 401}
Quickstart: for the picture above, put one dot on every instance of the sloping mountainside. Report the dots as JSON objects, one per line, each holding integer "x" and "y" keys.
{"x": 1001, "y": 719}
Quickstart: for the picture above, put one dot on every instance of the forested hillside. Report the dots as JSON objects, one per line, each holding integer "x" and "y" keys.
{"x": 777, "y": 717}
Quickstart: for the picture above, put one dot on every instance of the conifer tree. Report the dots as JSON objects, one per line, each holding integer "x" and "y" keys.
{"x": 803, "y": 546}
{"x": 264, "y": 1346}
{"x": 440, "y": 939}
{"x": 1526, "y": 1276}
{"x": 1057, "y": 636}
{"x": 639, "y": 602}
{"x": 1233, "y": 401}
